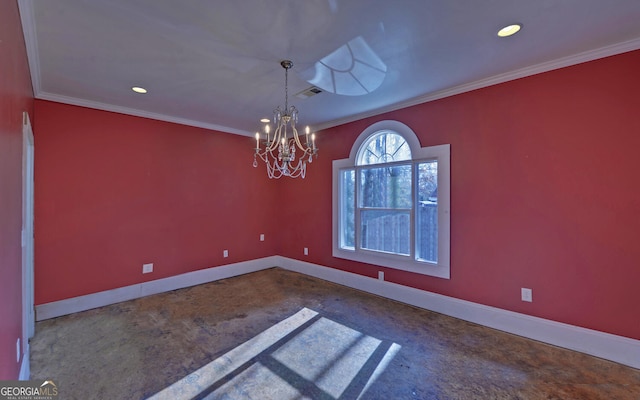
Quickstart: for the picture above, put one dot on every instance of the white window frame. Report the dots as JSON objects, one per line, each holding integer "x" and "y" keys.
{"x": 441, "y": 153}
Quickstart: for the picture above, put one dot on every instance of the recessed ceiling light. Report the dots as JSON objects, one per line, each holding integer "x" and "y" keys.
{"x": 265, "y": 120}
{"x": 139, "y": 89}
{"x": 509, "y": 30}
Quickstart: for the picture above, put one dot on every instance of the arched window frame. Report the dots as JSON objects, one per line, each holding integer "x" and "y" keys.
{"x": 439, "y": 153}
{"x": 364, "y": 149}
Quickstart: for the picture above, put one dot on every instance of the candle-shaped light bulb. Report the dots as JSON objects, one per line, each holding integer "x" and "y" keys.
{"x": 257, "y": 140}
{"x": 313, "y": 140}
{"x": 306, "y": 131}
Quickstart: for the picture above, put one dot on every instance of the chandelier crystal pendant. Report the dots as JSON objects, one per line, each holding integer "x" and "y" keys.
{"x": 278, "y": 150}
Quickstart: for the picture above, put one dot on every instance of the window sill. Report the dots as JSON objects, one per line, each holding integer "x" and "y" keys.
{"x": 395, "y": 262}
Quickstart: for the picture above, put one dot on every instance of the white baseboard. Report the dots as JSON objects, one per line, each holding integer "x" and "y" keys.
{"x": 25, "y": 366}
{"x": 100, "y": 299}
{"x": 604, "y": 345}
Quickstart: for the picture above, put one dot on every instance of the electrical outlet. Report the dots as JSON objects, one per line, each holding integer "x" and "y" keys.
{"x": 225, "y": 253}
{"x": 527, "y": 295}
{"x": 306, "y": 251}
{"x": 262, "y": 237}
{"x": 147, "y": 268}
{"x": 381, "y": 275}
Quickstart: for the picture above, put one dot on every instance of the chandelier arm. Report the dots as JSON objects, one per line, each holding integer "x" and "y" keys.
{"x": 297, "y": 140}
{"x": 276, "y": 140}
{"x": 272, "y": 146}
{"x": 264, "y": 158}
{"x": 300, "y": 169}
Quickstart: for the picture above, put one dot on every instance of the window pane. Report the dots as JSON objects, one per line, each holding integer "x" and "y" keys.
{"x": 384, "y": 147}
{"x": 386, "y": 187}
{"x": 347, "y": 209}
{"x": 386, "y": 230}
{"x": 427, "y": 212}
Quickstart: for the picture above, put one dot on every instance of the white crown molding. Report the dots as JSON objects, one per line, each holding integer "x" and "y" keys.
{"x": 591, "y": 55}
{"x": 29, "y": 31}
{"x": 616, "y": 348}
{"x": 31, "y": 42}
{"x": 137, "y": 113}
{"x": 27, "y": 18}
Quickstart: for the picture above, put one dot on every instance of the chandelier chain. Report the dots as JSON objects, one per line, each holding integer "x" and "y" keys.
{"x": 286, "y": 89}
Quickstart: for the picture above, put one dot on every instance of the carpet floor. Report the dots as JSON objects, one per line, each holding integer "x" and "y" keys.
{"x": 281, "y": 335}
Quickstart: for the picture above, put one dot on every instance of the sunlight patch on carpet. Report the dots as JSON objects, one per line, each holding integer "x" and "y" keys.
{"x": 305, "y": 356}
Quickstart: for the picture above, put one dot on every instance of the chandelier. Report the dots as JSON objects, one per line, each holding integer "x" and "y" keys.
{"x": 278, "y": 150}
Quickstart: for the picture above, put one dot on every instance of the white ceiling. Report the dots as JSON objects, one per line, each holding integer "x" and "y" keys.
{"x": 216, "y": 63}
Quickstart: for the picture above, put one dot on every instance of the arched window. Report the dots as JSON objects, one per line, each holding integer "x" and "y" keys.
{"x": 391, "y": 201}
{"x": 383, "y": 147}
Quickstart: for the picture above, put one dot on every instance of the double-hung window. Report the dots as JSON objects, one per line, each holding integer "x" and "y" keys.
{"x": 391, "y": 202}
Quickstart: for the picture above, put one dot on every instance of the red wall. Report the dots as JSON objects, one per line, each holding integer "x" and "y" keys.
{"x": 16, "y": 96}
{"x": 115, "y": 191}
{"x": 545, "y": 193}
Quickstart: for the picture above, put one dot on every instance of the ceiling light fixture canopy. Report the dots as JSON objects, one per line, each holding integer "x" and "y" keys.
{"x": 278, "y": 150}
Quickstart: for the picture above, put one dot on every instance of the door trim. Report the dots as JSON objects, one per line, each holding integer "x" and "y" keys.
{"x": 28, "y": 309}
